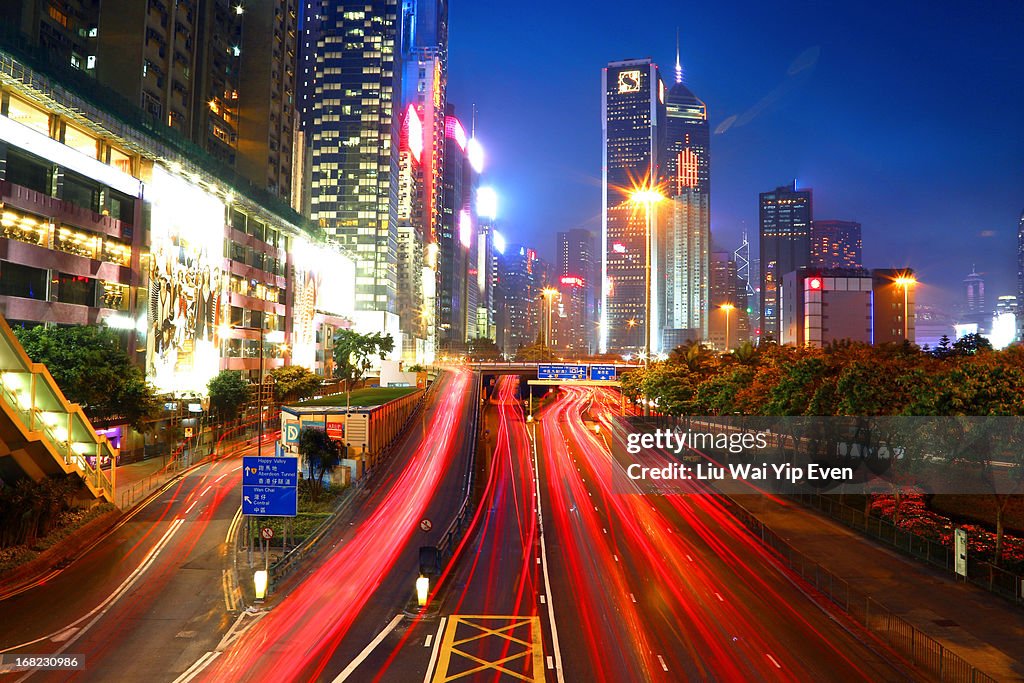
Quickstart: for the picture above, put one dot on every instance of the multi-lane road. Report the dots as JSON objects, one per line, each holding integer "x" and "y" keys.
{"x": 569, "y": 573}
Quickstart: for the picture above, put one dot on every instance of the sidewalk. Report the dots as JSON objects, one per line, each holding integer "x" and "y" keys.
{"x": 983, "y": 629}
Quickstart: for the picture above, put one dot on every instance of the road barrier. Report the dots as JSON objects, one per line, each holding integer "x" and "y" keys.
{"x": 923, "y": 651}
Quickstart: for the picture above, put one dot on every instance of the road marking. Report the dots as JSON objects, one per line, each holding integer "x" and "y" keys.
{"x": 547, "y": 579}
{"x": 663, "y": 664}
{"x": 542, "y": 599}
{"x": 197, "y": 667}
{"x": 719, "y": 596}
{"x": 689, "y": 557}
{"x": 632, "y": 597}
{"x": 538, "y": 560}
{"x": 433, "y": 653}
{"x": 616, "y": 557}
{"x": 64, "y": 635}
{"x": 101, "y": 609}
{"x": 464, "y": 632}
{"x": 217, "y": 480}
{"x": 205, "y": 490}
{"x": 551, "y": 663}
{"x": 354, "y": 664}
{"x": 604, "y": 530}
{"x": 429, "y": 640}
{"x": 777, "y": 665}
{"x": 191, "y": 506}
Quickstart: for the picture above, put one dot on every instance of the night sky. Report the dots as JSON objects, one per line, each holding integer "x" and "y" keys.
{"x": 907, "y": 118}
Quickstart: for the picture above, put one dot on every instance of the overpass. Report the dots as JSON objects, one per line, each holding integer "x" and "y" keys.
{"x": 42, "y": 434}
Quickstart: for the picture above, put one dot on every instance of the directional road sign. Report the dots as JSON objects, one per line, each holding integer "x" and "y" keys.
{"x": 601, "y": 373}
{"x": 270, "y": 486}
{"x": 558, "y": 371}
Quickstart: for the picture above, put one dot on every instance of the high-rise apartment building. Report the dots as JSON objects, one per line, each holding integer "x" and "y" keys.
{"x": 521, "y": 277}
{"x": 352, "y": 131}
{"x": 836, "y": 244}
{"x": 456, "y": 248}
{"x": 632, "y": 116}
{"x": 220, "y": 74}
{"x": 785, "y": 223}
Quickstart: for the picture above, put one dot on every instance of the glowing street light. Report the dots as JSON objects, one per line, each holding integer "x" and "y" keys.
{"x": 648, "y": 197}
{"x": 728, "y": 308}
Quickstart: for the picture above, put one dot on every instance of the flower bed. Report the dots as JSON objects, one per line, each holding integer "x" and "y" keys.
{"x": 915, "y": 517}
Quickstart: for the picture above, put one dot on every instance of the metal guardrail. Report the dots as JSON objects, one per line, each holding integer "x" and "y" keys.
{"x": 980, "y": 573}
{"x": 922, "y": 650}
{"x": 453, "y": 534}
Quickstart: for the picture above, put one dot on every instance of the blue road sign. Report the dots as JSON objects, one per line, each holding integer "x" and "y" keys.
{"x": 291, "y": 432}
{"x": 602, "y": 373}
{"x": 270, "y": 501}
{"x": 270, "y": 486}
{"x": 561, "y": 371}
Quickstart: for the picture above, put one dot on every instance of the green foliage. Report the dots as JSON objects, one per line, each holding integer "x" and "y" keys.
{"x": 353, "y": 352}
{"x": 228, "y": 393}
{"x": 416, "y": 368}
{"x": 90, "y": 367}
{"x": 483, "y": 349}
{"x": 294, "y": 382}
{"x": 321, "y": 454}
{"x": 30, "y": 510}
{"x": 535, "y": 353}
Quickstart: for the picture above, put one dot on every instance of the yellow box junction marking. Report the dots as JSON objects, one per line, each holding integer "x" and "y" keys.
{"x": 464, "y": 631}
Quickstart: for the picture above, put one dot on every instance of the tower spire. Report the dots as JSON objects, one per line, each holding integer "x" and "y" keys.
{"x": 679, "y": 66}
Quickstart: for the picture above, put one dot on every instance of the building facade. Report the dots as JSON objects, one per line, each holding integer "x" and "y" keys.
{"x": 687, "y": 243}
{"x": 785, "y": 223}
{"x": 893, "y": 306}
{"x": 578, "y": 260}
{"x": 836, "y": 244}
{"x": 821, "y": 307}
{"x": 632, "y": 116}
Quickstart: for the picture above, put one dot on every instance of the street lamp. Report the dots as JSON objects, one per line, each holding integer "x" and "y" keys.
{"x": 906, "y": 282}
{"x": 647, "y": 196}
{"x": 728, "y": 308}
{"x": 549, "y": 294}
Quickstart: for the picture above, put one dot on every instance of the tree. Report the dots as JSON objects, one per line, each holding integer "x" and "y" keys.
{"x": 970, "y": 344}
{"x": 228, "y": 393}
{"x": 321, "y": 454}
{"x": 482, "y": 349}
{"x": 535, "y": 353}
{"x": 353, "y": 353}
{"x": 294, "y": 382}
{"x": 92, "y": 369}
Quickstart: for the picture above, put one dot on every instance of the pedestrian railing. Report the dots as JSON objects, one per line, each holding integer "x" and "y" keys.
{"x": 920, "y": 649}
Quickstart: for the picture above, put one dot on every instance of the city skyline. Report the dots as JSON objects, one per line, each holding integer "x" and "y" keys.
{"x": 777, "y": 114}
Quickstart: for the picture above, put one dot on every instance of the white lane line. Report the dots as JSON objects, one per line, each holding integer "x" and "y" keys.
{"x": 632, "y": 597}
{"x": 777, "y": 665}
{"x": 119, "y": 592}
{"x": 217, "y": 480}
{"x": 604, "y": 530}
{"x": 429, "y": 640}
{"x": 538, "y": 560}
{"x": 197, "y": 667}
{"x": 205, "y": 490}
{"x": 542, "y": 599}
{"x": 433, "y": 653}
{"x": 551, "y": 663}
{"x": 719, "y": 596}
{"x": 368, "y": 649}
{"x": 191, "y": 506}
{"x": 616, "y": 557}
{"x": 559, "y": 675}
{"x": 663, "y": 664}
{"x": 689, "y": 557}
{"x": 237, "y": 468}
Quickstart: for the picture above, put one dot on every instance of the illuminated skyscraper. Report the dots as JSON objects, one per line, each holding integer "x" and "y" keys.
{"x": 632, "y": 121}
{"x": 456, "y": 248}
{"x": 1020, "y": 278}
{"x": 576, "y": 261}
{"x": 835, "y": 244}
{"x": 353, "y": 130}
{"x": 785, "y": 217}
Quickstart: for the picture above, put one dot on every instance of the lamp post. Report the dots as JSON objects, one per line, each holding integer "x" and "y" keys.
{"x": 728, "y": 308}
{"x": 647, "y": 196}
{"x": 906, "y": 282}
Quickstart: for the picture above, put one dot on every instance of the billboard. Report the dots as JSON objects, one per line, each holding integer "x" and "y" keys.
{"x": 187, "y": 285}
{"x": 324, "y": 284}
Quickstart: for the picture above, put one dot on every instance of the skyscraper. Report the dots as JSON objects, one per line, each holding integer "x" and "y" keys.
{"x": 455, "y": 240}
{"x": 353, "y": 134}
{"x": 785, "y": 219}
{"x": 632, "y": 113}
{"x": 576, "y": 260}
{"x": 835, "y": 244}
{"x": 687, "y": 226}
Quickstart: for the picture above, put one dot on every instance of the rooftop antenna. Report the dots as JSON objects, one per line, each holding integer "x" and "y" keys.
{"x": 679, "y": 65}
